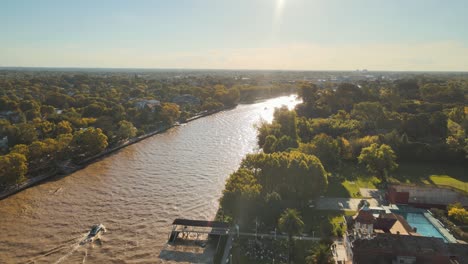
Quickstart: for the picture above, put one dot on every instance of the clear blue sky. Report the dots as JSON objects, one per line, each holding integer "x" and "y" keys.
{"x": 237, "y": 34}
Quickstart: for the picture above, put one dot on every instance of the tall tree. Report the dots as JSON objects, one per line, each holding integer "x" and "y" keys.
{"x": 325, "y": 148}
{"x": 240, "y": 193}
{"x": 13, "y": 167}
{"x": 24, "y": 133}
{"x": 320, "y": 254}
{"x": 293, "y": 175}
{"x": 270, "y": 143}
{"x": 287, "y": 121}
{"x": 308, "y": 92}
{"x": 371, "y": 114}
{"x": 169, "y": 113}
{"x": 126, "y": 130}
{"x": 347, "y": 95}
{"x": 88, "y": 142}
{"x": 63, "y": 127}
{"x": 378, "y": 159}
{"x": 291, "y": 223}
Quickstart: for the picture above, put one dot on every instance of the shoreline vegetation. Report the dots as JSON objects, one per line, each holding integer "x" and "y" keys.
{"x": 343, "y": 138}
{"x": 57, "y": 122}
{"x": 64, "y": 171}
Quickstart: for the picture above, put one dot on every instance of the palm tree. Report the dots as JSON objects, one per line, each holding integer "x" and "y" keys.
{"x": 320, "y": 254}
{"x": 291, "y": 223}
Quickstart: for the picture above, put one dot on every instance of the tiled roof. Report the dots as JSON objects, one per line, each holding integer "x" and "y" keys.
{"x": 365, "y": 217}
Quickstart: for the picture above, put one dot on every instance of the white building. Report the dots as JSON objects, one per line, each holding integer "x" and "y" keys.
{"x": 149, "y": 104}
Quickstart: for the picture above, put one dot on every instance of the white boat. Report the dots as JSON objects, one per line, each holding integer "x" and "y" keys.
{"x": 94, "y": 233}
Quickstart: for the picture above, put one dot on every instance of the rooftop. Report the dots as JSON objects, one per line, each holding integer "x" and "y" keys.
{"x": 400, "y": 245}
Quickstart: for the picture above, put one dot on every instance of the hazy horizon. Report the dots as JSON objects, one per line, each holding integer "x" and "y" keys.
{"x": 284, "y": 35}
{"x": 34, "y": 68}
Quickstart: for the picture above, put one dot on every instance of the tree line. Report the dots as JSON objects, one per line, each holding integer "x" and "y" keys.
{"x": 372, "y": 124}
{"x": 48, "y": 119}
{"x": 375, "y": 124}
{"x": 52, "y": 119}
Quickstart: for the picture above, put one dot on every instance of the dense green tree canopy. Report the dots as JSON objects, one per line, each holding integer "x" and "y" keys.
{"x": 291, "y": 223}
{"x": 283, "y": 129}
{"x": 293, "y": 175}
{"x": 48, "y": 115}
{"x": 64, "y": 127}
{"x": 88, "y": 142}
{"x": 320, "y": 254}
{"x": 241, "y": 190}
{"x": 126, "y": 130}
{"x": 325, "y": 148}
{"x": 378, "y": 159}
{"x": 13, "y": 168}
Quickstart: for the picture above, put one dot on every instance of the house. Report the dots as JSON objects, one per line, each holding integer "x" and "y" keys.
{"x": 393, "y": 224}
{"x": 12, "y": 116}
{"x": 6, "y": 114}
{"x": 147, "y": 104}
{"x": 366, "y": 224}
{"x": 4, "y": 143}
{"x": 186, "y": 99}
{"x": 371, "y": 222}
{"x": 390, "y": 248}
{"x": 378, "y": 235}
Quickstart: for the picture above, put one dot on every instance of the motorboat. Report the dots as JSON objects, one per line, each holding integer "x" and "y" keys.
{"x": 94, "y": 233}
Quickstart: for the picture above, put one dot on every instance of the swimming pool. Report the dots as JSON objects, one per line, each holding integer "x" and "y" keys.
{"x": 422, "y": 225}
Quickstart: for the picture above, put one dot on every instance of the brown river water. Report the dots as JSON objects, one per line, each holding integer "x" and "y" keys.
{"x": 136, "y": 193}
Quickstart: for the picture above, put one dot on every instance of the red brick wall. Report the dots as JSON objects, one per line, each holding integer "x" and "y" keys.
{"x": 397, "y": 197}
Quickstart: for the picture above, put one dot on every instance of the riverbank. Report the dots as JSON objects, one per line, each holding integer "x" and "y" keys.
{"x": 179, "y": 173}
{"x": 66, "y": 169}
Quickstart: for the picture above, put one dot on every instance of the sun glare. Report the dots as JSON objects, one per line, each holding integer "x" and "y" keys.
{"x": 279, "y": 10}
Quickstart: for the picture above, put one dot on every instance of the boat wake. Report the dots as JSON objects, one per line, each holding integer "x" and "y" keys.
{"x": 71, "y": 251}
{"x": 66, "y": 246}
{"x": 72, "y": 245}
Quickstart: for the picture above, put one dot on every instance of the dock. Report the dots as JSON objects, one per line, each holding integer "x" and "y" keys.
{"x": 184, "y": 228}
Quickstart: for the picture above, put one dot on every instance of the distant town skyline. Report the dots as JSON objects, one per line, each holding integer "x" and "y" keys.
{"x": 244, "y": 34}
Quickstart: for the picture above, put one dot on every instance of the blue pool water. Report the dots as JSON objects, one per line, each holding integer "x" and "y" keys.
{"x": 423, "y": 226}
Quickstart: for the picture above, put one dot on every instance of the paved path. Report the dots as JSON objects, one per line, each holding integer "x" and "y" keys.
{"x": 281, "y": 236}
{"x": 346, "y": 204}
{"x": 227, "y": 249}
{"x": 438, "y": 225}
{"x": 339, "y": 251}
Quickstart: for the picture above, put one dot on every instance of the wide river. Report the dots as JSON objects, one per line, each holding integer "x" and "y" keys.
{"x": 136, "y": 193}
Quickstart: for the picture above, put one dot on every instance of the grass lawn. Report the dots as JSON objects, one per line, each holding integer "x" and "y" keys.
{"x": 355, "y": 177}
{"x": 454, "y": 176}
{"x": 353, "y": 186}
{"x": 347, "y": 181}
{"x": 445, "y": 180}
{"x": 337, "y": 189}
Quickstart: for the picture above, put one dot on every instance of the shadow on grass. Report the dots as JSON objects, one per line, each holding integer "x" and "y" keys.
{"x": 336, "y": 189}
{"x": 407, "y": 172}
{"x": 419, "y": 173}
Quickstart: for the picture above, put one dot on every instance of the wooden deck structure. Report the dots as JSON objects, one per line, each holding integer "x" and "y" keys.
{"x": 185, "y": 227}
